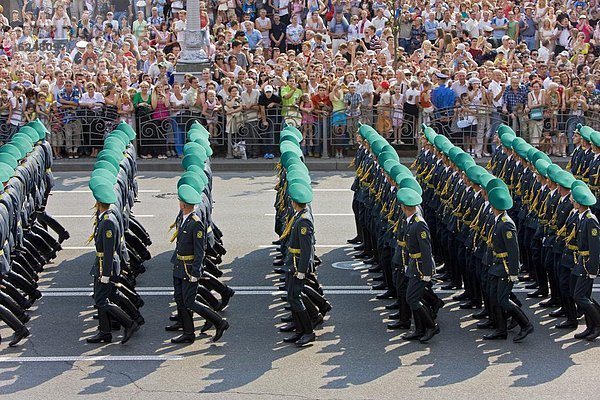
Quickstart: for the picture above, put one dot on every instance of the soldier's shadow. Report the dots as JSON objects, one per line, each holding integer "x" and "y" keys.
{"x": 543, "y": 357}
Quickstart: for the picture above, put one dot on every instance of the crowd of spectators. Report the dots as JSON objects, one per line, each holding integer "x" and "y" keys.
{"x": 463, "y": 65}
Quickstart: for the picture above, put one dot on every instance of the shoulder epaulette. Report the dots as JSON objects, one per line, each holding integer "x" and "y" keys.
{"x": 504, "y": 218}
{"x": 418, "y": 219}
{"x": 106, "y": 216}
{"x": 195, "y": 217}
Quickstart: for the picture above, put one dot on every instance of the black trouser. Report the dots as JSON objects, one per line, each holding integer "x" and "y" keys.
{"x": 185, "y": 297}
{"x": 566, "y": 285}
{"x": 46, "y": 219}
{"x": 414, "y": 292}
{"x": 102, "y": 293}
{"x": 294, "y": 294}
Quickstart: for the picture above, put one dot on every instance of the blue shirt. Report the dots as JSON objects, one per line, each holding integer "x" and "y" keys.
{"x": 68, "y": 114}
{"x": 498, "y": 33}
{"x": 253, "y": 38}
{"x": 443, "y": 98}
{"x": 431, "y": 29}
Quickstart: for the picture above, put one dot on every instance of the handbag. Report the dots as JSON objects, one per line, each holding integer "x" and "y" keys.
{"x": 536, "y": 114}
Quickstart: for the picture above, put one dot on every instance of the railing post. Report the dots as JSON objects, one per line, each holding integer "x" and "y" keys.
{"x": 325, "y": 137}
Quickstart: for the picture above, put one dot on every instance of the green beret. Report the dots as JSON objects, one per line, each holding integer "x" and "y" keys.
{"x": 300, "y": 193}
{"x": 103, "y": 164}
{"x": 411, "y": 183}
{"x": 122, "y": 136}
{"x": 540, "y": 155}
{"x": 298, "y": 176}
{"x": 584, "y": 196}
{"x": 390, "y": 149}
{"x": 384, "y": 156}
{"x": 32, "y": 133}
{"x": 99, "y": 180}
{"x": 191, "y": 179}
{"x": 12, "y": 150}
{"x": 293, "y": 130}
{"x": 39, "y": 127}
{"x": 206, "y": 144}
{"x": 388, "y": 165}
{"x": 446, "y": 147}
{"x": 463, "y": 159}
{"x": 495, "y": 183}
{"x": 192, "y": 159}
{"x": 105, "y": 193}
{"x": 9, "y": 159}
{"x": 188, "y": 195}
{"x": 366, "y": 131}
{"x": 408, "y": 197}
{"x": 542, "y": 167}
{"x": 576, "y": 183}
{"x": 475, "y": 172}
{"x": 430, "y": 134}
{"x": 199, "y": 173}
{"x": 531, "y": 153}
{"x": 400, "y": 169}
{"x": 197, "y": 150}
{"x": 23, "y": 146}
{"x": 378, "y": 145}
{"x": 507, "y": 140}
{"x": 6, "y": 172}
{"x": 127, "y": 129}
{"x": 289, "y": 146}
{"x": 439, "y": 140}
{"x": 110, "y": 157}
{"x": 115, "y": 143}
{"x": 100, "y": 172}
{"x": 522, "y": 149}
{"x": 500, "y": 198}
{"x": 503, "y": 129}
{"x": 595, "y": 138}
{"x": 485, "y": 179}
{"x": 285, "y": 158}
{"x": 24, "y": 137}
{"x": 564, "y": 179}
{"x": 290, "y": 137}
{"x": 401, "y": 176}
{"x": 553, "y": 169}
{"x": 585, "y": 132}
{"x": 518, "y": 141}
{"x": 114, "y": 147}
{"x": 196, "y": 134}
{"x": 454, "y": 151}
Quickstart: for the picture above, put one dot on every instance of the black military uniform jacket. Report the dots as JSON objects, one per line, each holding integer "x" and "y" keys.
{"x": 588, "y": 243}
{"x": 107, "y": 238}
{"x": 418, "y": 245}
{"x": 189, "y": 252}
{"x": 505, "y": 247}
{"x": 301, "y": 243}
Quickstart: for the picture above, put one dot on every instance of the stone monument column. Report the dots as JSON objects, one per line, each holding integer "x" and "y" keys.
{"x": 193, "y": 57}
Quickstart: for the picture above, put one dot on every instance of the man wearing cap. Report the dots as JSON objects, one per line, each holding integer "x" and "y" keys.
{"x": 301, "y": 262}
{"x": 187, "y": 262}
{"x": 420, "y": 266}
{"x": 504, "y": 271}
{"x": 588, "y": 259}
{"x": 107, "y": 237}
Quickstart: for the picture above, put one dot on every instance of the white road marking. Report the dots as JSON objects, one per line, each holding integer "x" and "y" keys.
{"x": 89, "y": 191}
{"x": 90, "y": 216}
{"x": 78, "y": 248}
{"x": 88, "y": 358}
{"x": 321, "y": 215}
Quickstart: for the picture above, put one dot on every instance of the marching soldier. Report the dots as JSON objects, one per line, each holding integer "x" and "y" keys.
{"x": 588, "y": 260}
{"x": 187, "y": 262}
{"x": 301, "y": 262}
{"x": 420, "y": 268}
{"x": 504, "y": 271}
{"x": 107, "y": 236}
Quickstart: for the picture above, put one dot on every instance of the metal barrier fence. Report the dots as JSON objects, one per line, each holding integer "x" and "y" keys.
{"x": 159, "y": 132}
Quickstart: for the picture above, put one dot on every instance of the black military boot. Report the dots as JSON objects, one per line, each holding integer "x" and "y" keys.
{"x": 594, "y": 312}
{"x": 178, "y": 325}
{"x": 419, "y": 329}
{"x": 103, "y": 335}
{"x": 526, "y": 326}
{"x": 589, "y": 328}
{"x": 500, "y": 321}
{"x": 187, "y": 321}
{"x": 307, "y": 331}
{"x": 431, "y": 328}
{"x": 403, "y": 316}
{"x": 225, "y": 297}
{"x": 298, "y": 328}
{"x": 18, "y": 336}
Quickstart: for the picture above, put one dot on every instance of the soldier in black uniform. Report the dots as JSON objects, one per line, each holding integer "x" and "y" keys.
{"x": 301, "y": 262}
{"x": 588, "y": 261}
{"x": 107, "y": 236}
{"x": 504, "y": 271}
{"x": 420, "y": 268}
{"x": 187, "y": 262}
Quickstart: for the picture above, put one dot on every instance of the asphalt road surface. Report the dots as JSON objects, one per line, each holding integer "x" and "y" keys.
{"x": 354, "y": 356}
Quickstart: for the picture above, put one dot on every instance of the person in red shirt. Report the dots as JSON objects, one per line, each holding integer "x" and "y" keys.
{"x": 322, "y": 108}
{"x": 585, "y": 27}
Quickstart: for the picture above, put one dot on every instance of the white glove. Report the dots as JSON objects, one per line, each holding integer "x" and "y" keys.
{"x": 427, "y": 278}
{"x": 592, "y": 276}
{"x": 104, "y": 279}
{"x": 193, "y": 279}
{"x": 300, "y": 275}
{"x": 514, "y": 278}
